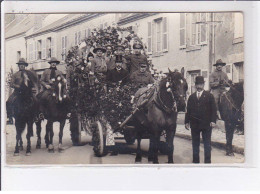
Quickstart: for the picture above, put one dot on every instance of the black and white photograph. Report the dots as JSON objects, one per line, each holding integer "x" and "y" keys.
{"x": 124, "y": 88}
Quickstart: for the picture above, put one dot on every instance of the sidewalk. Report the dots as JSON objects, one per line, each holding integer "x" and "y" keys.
{"x": 218, "y": 137}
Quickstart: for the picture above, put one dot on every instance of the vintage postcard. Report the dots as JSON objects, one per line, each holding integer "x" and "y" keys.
{"x": 124, "y": 88}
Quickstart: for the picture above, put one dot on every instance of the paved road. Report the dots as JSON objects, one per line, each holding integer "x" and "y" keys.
{"x": 84, "y": 154}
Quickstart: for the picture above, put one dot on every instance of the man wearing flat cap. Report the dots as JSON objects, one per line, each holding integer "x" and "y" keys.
{"x": 136, "y": 58}
{"x": 201, "y": 118}
{"x": 142, "y": 77}
{"x": 217, "y": 81}
{"x": 16, "y": 83}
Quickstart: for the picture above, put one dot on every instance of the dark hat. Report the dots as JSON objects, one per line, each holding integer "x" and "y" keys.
{"x": 199, "y": 80}
{"x": 138, "y": 46}
{"x": 219, "y": 62}
{"x": 54, "y": 60}
{"x": 119, "y": 58}
{"x": 22, "y": 62}
{"x": 99, "y": 48}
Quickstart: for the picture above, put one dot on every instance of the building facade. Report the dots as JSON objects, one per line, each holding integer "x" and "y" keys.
{"x": 173, "y": 40}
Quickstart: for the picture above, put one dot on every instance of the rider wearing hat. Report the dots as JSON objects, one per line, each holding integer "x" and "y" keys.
{"x": 118, "y": 73}
{"x": 50, "y": 74}
{"x": 136, "y": 58}
{"x": 16, "y": 83}
{"x": 142, "y": 76}
{"x": 217, "y": 81}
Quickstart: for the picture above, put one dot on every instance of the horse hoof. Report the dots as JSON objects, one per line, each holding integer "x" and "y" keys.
{"x": 16, "y": 154}
{"x": 38, "y": 146}
{"x": 21, "y": 148}
{"x": 51, "y": 150}
{"x": 138, "y": 160}
{"x": 230, "y": 154}
{"x": 156, "y": 162}
{"x": 170, "y": 162}
{"x": 28, "y": 153}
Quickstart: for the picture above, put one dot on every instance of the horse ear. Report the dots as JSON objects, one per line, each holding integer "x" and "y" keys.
{"x": 182, "y": 71}
{"x": 169, "y": 70}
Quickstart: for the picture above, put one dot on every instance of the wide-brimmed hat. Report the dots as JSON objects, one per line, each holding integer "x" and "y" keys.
{"x": 219, "y": 62}
{"x": 99, "y": 48}
{"x": 199, "y": 80}
{"x": 138, "y": 46}
{"x": 54, "y": 60}
{"x": 119, "y": 59}
{"x": 22, "y": 61}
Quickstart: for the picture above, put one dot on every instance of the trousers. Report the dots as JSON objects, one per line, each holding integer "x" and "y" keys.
{"x": 206, "y": 136}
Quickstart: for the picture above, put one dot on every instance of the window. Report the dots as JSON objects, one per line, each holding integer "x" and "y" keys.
{"x": 183, "y": 30}
{"x": 30, "y": 51}
{"x": 238, "y": 25}
{"x": 198, "y": 29}
{"x": 64, "y": 47}
{"x": 39, "y": 49}
{"x": 18, "y": 55}
{"x": 49, "y": 47}
{"x": 158, "y": 36}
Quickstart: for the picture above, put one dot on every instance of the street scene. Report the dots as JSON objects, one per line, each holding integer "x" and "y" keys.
{"x": 124, "y": 88}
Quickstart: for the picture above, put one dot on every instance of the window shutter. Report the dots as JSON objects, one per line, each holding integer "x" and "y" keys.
{"x": 79, "y": 37}
{"x": 154, "y": 38}
{"x": 203, "y": 29}
{"x": 76, "y": 38}
{"x": 165, "y": 35}
{"x": 89, "y": 32}
{"x": 193, "y": 29}
{"x": 52, "y": 48}
{"x": 149, "y": 38}
{"x": 35, "y": 50}
{"x": 44, "y": 49}
{"x": 182, "y": 30}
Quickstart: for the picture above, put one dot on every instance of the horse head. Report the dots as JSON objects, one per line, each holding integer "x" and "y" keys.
{"x": 59, "y": 89}
{"x": 177, "y": 84}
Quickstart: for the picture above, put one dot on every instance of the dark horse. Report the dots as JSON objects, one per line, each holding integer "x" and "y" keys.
{"x": 230, "y": 110}
{"x": 24, "y": 108}
{"x": 54, "y": 107}
{"x": 160, "y": 113}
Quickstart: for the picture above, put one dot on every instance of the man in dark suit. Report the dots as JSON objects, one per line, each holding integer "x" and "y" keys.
{"x": 201, "y": 118}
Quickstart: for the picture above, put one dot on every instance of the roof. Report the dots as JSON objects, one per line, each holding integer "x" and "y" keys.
{"x": 68, "y": 20}
{"x": 134, "y": 17}
{"x": 14, "y": 28}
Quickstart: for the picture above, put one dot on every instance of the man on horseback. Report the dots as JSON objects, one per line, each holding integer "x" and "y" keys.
{"x": 217, "y": 81}
{"x": 201, "y": 117}
{"x": 47, "y": 79}
{"x": 16, "y": 83}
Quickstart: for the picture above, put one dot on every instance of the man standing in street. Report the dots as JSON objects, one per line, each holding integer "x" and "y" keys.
{"x": 201, "y": 118}
{"x": 217, "y": 81}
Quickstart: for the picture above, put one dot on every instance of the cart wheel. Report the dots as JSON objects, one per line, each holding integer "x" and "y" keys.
{"x": 98, "y": 140}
